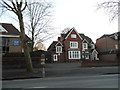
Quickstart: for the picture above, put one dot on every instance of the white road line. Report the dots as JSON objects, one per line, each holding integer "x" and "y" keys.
{"x": 39, "y": 87}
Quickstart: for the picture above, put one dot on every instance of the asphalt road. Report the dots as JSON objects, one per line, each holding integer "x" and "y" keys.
{"x": 96, "y": 81}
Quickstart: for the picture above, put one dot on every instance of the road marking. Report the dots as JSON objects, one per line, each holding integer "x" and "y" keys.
{"x": 39, "y": 87}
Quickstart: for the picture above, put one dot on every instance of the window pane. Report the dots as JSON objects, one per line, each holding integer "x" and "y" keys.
{"x": 74, "y": 54}
{"x": 73, "y": 44}
{"x": 58, "y": 49}
{"x": 73, "y": 35}
{"x": 85, "y": 46}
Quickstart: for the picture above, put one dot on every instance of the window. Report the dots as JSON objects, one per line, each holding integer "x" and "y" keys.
{"x": 74, "y": 54}
{"x": 73, "y": 35}
{"x": 5, "y": 45}
{"x": 5, "y": 41}
{"x": 85, "y": 46}
{"x": 73, "y": 44}
{"x": 92, "y": 46}
{"x": 58, "y": 49}
{"x": 55, "y": 57}
{"x": 116, "y": 46}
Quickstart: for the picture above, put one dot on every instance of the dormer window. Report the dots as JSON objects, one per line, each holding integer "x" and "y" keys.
{"x": 58, "y": 49}
{"x": 116, "y": 36}
{"x": 85, "y": 46}
{"x": 73, "y": 35}
{"x": 92, "y": 46}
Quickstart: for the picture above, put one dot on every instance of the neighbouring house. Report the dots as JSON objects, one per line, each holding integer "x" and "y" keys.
{"x": 107, "y": 46}
{"x": 71, "y": 47}
{"x": 10, "y": 39}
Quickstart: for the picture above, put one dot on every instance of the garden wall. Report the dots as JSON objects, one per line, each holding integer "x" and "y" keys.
{"x": 17, "y": 60}
{"x": 98, "y": 63}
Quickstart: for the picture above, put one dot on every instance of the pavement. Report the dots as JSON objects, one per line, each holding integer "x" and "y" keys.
{"x": 58, "y": 70}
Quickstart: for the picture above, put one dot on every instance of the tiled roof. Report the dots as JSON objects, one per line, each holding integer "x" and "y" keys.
{"x": 52, "y": 45}
{"x": 10, "y": 28}
{"x": 85, "y": 37}
{"x": 110, "y": 35}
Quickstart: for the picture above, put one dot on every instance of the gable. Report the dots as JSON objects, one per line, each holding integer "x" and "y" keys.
{"x": 59, "y": 44}
{"x": 73, "y": 31}
{"x": 94, "y": 51}
{"x": 92, "y": 42}
{"x": 10, "y": 29}
{"x": 84, "y": 41}
{"x": 52, "y": 45}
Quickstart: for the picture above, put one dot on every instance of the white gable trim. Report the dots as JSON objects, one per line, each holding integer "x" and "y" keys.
{"x": 10, "y": 36}
{"x": 58, "y": 43}
{"x": 94, "y": 51}
{"x": 75, "y": 31}
{"x": 2, "y": 29}
{"x": 85, "y": 40}
{"x": 92, "y": 42}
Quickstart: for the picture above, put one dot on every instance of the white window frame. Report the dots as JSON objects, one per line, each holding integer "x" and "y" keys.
{"x": 74, "y": 55}
{"x": 116, "y": 46}
{"x": 83, "y": 46}
{"x": 73, "y": 36}
{"x": 92, "y": 46}
{"x": 58, "y": 49}
{"x": 55, "y": 57}
{"x": 73, "y": 44}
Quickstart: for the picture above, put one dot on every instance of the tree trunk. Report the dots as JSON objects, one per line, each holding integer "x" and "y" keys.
{"x": 24, "y": 43}
{"x": 32, "y": 38}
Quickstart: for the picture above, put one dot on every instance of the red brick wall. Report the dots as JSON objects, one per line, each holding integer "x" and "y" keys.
{"x": 108, "y": 57}
{"x": 61, "y": 57}
{"x": 67, "y": 44}
{"x": 106, "y": 43}
{"x": 19, "y": 62}
{"x": 98, "y": 63}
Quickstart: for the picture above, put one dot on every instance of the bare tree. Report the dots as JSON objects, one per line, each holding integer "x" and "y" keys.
{"x": 111, "y": 7}
{"x": 39, "y": 15}
{"x": 17, "y": 7}
{"x": 65, "y": 30}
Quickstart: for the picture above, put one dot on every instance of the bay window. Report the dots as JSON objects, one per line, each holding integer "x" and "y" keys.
{"x": 74, "y": 54}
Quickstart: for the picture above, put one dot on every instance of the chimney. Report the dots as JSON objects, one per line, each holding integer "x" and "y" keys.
{"x": 58, "y": 38}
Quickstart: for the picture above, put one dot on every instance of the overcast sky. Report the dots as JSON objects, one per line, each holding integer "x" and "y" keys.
{"x": 80, "y": 14}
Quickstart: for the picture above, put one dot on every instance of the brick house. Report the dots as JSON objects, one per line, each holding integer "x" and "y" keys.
{"x": 10, "y": 39}
{"x": 72, "y": 46}
{"x": 107, "y": 46}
